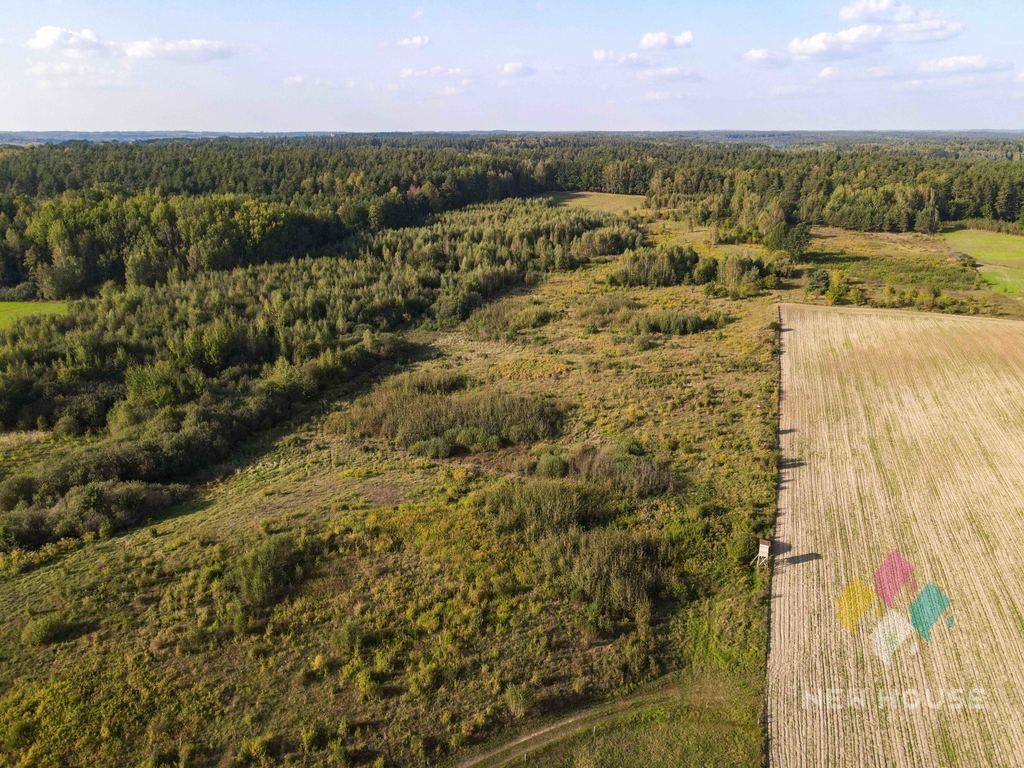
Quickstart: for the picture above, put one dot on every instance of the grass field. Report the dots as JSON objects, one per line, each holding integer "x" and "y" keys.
{"x": 431, "y": 624}
{"x": 601, "y": 201}
{"x": 1001, "y": 257}
{"x": 899, "y": 431}
{"x": 10, "y": 311}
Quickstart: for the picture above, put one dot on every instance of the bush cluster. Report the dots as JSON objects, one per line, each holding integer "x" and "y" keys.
{"x": 431, "y": 415}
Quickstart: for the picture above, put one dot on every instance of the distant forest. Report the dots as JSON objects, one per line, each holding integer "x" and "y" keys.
{"x": 74, "y": 216}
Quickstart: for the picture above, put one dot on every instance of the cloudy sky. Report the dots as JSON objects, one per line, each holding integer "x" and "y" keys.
{"x": 246, "y": 65}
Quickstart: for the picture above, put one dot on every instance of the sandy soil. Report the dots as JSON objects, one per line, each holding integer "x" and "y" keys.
{"x": 899, "y": 431}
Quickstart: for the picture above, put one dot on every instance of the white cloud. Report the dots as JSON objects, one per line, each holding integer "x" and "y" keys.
{"x": 79, "y": 43}
{"x": 455, "y": 89}
{"x": 431, "y": 72}
{"x": 295, "y": 80}
{"x": 924, "y": 30}
{"x": 67, "y": 57}
{"x": 77, "y": 73}
{"x": 67, "y": 41}
{"x": 664, "y": 96}
{"x": 791, "y": 91}
{"x": 953, "y": 65}
{"x": 846, "y": 42}
{"x": 604, "y": 56}
{"x": 415, "y": 41}
{"x": 196, "y": 50}
{"x": 876, "y": 9}
{"x": 511, "y": 69}
{"x": 85, "y": 42}
{"x": 766, "y": 58}
{"x": 937, "y": 84}
{"x": 661, "y": 40}
{"x": 418, "y": 13}
{"x": 883, "y": 23}
{"x": 1020, "y": 77}
{"x": 871, "y": 73}
{"x": 668, "y": 73}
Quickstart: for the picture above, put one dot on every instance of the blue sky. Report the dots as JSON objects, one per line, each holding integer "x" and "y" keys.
{"x": 510, "y": 64}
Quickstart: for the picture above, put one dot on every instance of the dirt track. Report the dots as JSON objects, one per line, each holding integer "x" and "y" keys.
{"x": 899, "y": 431}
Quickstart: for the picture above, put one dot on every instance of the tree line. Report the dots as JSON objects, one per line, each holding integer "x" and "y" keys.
{"x": 74, "y": 216}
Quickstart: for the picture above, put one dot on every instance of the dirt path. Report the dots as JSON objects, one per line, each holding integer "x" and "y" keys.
{"x": 529, "y": 743}
{"x": 899, "y": 431}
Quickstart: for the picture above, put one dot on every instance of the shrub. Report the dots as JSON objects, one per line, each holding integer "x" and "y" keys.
{"x": 608, "y": 308}
{"x": 15, "y": 490}
{"x": 552, "y": 465}
{"x": 536, "y": 505}
{"x": 706, "y": 270}
{"x": 505, "y": 321}
{"x": 434, "y": 423}
{"x": 606, "y": 241}
{"x": 45, "y": 630}
{"x": 517, "y": 699}
{"x": 268, "y": 571}
{"x": 617, "y": 572}
{"x": 624, "y": 469}
{"x": 656, "y": 267}
{"x": 819, "y": 281}
{"x": 19, "y": 734}
{"x": 677, "y": 323}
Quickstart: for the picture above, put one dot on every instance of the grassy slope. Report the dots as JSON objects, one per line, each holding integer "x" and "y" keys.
{"x": 1001, "y": 257}
{"x": 450, "y": 613}
{"x": 10, "y": 311}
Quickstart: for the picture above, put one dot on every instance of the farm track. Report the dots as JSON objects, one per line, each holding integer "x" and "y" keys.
{"x": 528, "y": 744}
{"x": 899, "y": 431}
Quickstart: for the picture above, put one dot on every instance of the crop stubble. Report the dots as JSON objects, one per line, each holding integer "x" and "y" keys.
{"x": 900, "y": 431}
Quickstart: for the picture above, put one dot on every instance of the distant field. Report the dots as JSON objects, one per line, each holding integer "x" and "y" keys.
{"x": 899, "y": 432}
{"x": 600, "y": 201}
{"x": 1001, "y": 257}
{"x": 11, "y": 311}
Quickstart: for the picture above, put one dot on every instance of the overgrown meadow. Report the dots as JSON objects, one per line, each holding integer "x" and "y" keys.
{"x": 509, "y": 517}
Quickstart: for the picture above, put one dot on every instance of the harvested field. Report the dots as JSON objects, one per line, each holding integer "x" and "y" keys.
{"x": 905, "y": 432}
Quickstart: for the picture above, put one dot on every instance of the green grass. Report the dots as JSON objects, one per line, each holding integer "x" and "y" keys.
{"x": 1001, "y": 257}
{"x": 600, "y": 201}
{"x": 11, "y": 311}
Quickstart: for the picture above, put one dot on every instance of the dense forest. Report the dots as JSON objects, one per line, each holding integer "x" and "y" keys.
{"x": 75, "y": 216}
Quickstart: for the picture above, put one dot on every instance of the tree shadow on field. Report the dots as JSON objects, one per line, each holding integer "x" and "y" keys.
{"x": 818, "y": 259}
